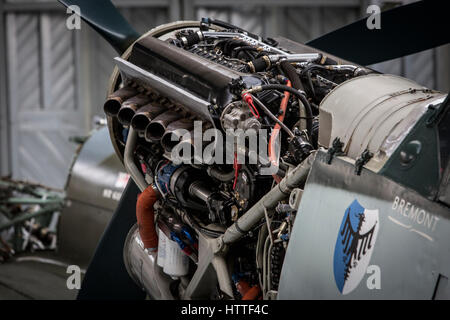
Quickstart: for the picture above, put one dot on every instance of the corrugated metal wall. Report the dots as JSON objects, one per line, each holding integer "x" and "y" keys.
{"x": 53, "y": 81}
{"x": 42, "y": 95}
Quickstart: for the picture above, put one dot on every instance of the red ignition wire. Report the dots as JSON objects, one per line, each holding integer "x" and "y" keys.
{"x": 248, "y": 98}
{"x": 236, "y": 168}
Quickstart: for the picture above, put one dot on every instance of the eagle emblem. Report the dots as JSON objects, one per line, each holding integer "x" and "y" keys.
{"x": 354, "y": 246}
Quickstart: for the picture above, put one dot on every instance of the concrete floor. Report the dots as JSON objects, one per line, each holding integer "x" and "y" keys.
{"x": 31, "y": 280}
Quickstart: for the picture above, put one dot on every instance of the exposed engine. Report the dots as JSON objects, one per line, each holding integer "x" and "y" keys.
{"x": 182, "y": 113}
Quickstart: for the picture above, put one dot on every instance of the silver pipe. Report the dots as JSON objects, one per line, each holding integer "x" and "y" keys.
{"x": 348, "y": 67}
{"x": 249, "y": 40}
{"x": 292, "y": 180}
{"x": 128, "y": 159}
{"x": 200, "y": 191}
{"x": 294, "y": 57}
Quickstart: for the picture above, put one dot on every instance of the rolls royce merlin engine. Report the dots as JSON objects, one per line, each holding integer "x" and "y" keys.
{"x": 219, "y": 127}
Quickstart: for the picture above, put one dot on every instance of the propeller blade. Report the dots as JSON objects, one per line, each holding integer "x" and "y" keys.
{"x": 404, "y": 30}
{"x": 104, "y": 17}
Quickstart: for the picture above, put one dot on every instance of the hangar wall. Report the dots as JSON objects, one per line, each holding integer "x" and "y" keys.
{"x": 53, "y": 81}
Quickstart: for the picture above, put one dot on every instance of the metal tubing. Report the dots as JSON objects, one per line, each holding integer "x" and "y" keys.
{"x": 128, "y": 160}
{"x": 282, "y": 190}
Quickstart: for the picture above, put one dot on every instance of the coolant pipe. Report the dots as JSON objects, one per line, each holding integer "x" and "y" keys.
{"x": 253, "y": 293}
{"x": 115, "y": 100}
{"x": 219, "y": 175}
{"x": 292, "y": 180}
{"x": 130, "y": 107}
{"x": 145, "y": 216}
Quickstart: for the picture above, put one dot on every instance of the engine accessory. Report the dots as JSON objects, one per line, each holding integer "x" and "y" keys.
{"x": 176, "y": 263}
{"x": 367, "y": 122}
{"x": 143, "y": 269}
{"x": 237, "y": 115}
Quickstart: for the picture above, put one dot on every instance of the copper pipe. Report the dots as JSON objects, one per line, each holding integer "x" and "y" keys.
{"x": 115, "y": 100}
{"x": 174, "y": 132}
{"x": 146, "y": 114}
{"x": 130, "y": 107}
{"x": 145, "y": 216}
{"x": 155, "y": 129}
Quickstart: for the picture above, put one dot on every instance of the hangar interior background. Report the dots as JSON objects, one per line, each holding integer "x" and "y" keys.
{"x": 53, "y": 81}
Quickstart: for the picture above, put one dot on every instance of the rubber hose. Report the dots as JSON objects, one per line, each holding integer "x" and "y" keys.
{"x": 309, "y": 115}
{"x": 145, "y": 216}
{"x": 252, "y": 294}
{"x": 291, "y": 74}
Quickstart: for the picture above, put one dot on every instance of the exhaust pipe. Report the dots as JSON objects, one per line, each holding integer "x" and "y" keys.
{"x": 146, "y": 114}
{"x": 156, "y": 128}
{"x": 185, "y": 150}
{"x": 174, "y": 132}
{"x": 130, "y": 107}
{"x": 115, "y": 100}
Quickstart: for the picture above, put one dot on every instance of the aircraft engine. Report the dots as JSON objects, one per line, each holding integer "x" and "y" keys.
{"x": 218, "y": 127}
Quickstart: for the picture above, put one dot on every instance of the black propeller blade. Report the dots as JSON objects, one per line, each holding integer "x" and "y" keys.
{"x": 404, "y": 30}
{"x": 103, "y": 16}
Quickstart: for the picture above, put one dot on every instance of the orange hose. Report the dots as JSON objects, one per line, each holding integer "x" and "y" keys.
{"x": 243, "y": 287}
{"x": 276, "y": 129}
{"x": 145, "y": 216}
{"x": 252, "y": 294}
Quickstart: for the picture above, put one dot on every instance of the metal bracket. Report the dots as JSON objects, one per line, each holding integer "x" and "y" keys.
{"x": 362, "y": 160}
{"x": 335, "y": 150}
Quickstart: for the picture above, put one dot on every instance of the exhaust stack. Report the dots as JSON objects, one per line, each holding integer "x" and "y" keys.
{"x": 156, "y": 128}
{"x": 115, "y": 100}
{"x": 146, "y": 114}
{"x": 130, "y": 107}
{"x": 174, "y": 132}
